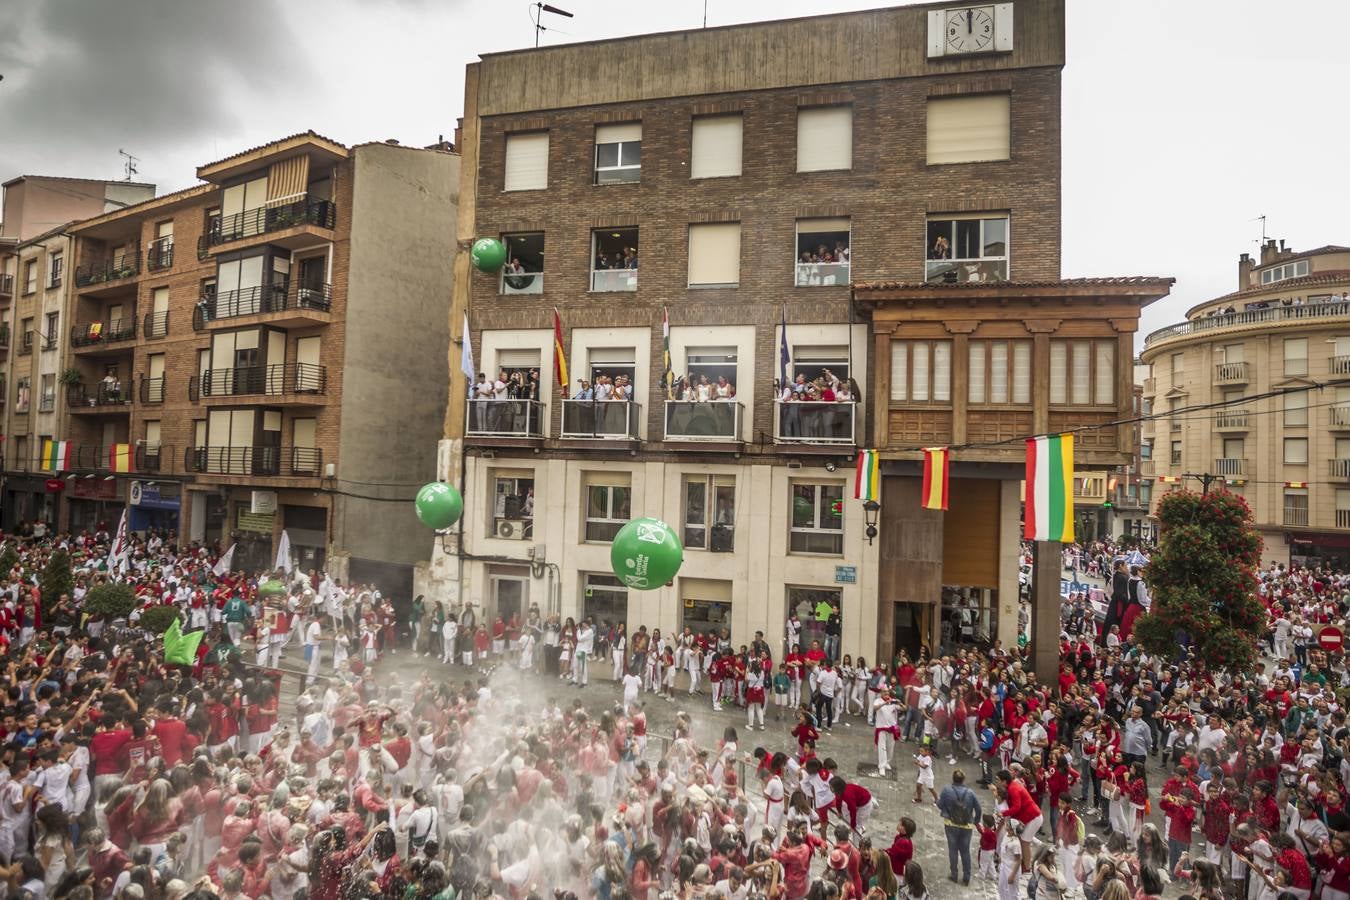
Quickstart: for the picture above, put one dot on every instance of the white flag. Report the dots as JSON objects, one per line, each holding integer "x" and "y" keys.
{"x": 284, "y": 554}
{"x": 466, "y": 353}
{"x": 120, "y": 554}
{"x": 223, "y": 565}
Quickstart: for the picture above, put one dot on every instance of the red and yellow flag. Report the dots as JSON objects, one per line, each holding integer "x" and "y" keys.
{"x": 559, "y": 356}
{"x": 120, "y": 457}
{"x": 935, "y": 460}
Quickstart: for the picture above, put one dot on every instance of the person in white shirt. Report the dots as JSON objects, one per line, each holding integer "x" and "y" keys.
{"x": 1212, "y": 735}
{"x": 585, "y": 647}
{"x": 886, "y": 721}
{"x": 313, "y": 633}
{"x": 420, "y": 822}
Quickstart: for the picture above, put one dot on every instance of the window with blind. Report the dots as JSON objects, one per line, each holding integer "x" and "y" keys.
{"x": 1000, "y": 372}
{"x": 969, "y": 129}
{"x": 1296, "y": 409}
{"x": 824, "y": 138}
{"x": 526, "y": 162}
{"x": 1296, "y": 356}
{"x": 921, "y": 372}
{"x": 1296, "y": 451}
{"x": 1083, "y": 372}
{"x": 716, "y": 147}
{"x": 715, "y": 254}
{"x": 618, "y": 153}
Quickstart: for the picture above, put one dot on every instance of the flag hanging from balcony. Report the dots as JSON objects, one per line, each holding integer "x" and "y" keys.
{"x": 1049, "y": 494}
{"x": 783, "y": 356}
{"x": 56, "y": 455}
{"x": 559, "y": 357}
{"x": 120, "y": 458}
{"x": 466, "y": 352}
{"x": 935, "y": 461}
{"x": 669, "y": 377}
{"x": 867, "y": 483}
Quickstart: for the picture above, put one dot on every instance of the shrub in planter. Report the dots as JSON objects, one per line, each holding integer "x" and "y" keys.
{"x": 157, "y": 619}
{"x": 113, "y": 601}
{"x": 56, "y": 580}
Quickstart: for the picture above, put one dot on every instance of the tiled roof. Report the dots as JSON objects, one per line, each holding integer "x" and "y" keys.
{"x": 19, "y": 178}
{"x": 1149, "y": 281}
{"x": 1329, "y": 277}
{"x": 281, "y": 140}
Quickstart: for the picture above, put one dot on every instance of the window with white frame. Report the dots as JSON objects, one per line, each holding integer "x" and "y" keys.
{"x": 715, "y": 150}
{"x": 604, "y": 599}
{"x": 614, "y": 259}
{"x": 512, "y": 504}
{"x": 1082, "y": 372}
{"x": 967, "y": 248}
{"x": 526, "y": 162}
{"x": 1296, "y": 356}
{"x": 822, "y": 252}
{"x": 1288, "y": 270}
{"x": 618, "y": 153}
{"x": 608, "y": 505}
{"x": 715, "y": 254}
{"x": 921, "y": 372}
{"x": 55, "y": 266}
{"x": 824, "y": 138}
{"x": 523, "y": 272}
{"x": 817, "y": 518}
{"x": 710, "y": 513}
{"x": 30, "y": 276}
{"x": 1296, "y": 506}
{"x": 1000, "y": 372}
{"x": 969, "y": 129}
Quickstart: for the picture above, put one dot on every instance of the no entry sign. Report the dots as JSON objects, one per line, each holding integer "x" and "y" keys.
{"x": 1331, "y": 639}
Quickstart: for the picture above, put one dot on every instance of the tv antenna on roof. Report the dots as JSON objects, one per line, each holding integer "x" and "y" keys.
{"x": 540, "y": 9}
{"x": 129, "y": 167}
{"x": 1262, "y": 220}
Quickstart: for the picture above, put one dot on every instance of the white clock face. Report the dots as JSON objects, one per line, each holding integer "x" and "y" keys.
{"x": 970, "y": 30}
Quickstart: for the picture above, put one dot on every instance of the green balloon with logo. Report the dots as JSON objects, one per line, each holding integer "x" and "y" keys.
{"x": 646, "y": 554}
{"x": 439, "y": 505}
{"x": 488, "y": 255}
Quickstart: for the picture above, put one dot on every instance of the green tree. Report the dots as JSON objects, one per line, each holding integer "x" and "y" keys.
{"x": 157, "y": 619}
{"x": 1203, "y": 580}
{"x": 113, "y": 601}
{"x": 56, "y": 580}
{"x": 9, "y": 558}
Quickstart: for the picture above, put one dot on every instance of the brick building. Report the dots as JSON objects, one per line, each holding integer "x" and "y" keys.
{"x": 266, "y": 351}
{"x": 754, "y": 192}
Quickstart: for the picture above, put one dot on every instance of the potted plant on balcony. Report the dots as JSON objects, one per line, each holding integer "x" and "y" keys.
{"x": 71, "y": 376}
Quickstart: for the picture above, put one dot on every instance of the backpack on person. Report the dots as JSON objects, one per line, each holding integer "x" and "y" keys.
{"x": 962, "y": 812}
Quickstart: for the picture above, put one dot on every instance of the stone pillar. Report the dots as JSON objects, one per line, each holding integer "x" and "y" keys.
{"x": 1048, "y": 565}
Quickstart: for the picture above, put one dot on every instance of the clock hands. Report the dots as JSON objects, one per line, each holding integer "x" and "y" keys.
{"x": 970, "y": 21}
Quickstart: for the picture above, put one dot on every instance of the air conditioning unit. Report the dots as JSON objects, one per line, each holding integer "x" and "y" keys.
{"x": 513, "y": 529}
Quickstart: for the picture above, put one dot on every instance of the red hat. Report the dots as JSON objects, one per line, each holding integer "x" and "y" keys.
{"x": 838, "y": 859}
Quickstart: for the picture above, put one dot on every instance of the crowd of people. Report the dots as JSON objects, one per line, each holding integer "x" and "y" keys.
{"x": 127, "y": 776}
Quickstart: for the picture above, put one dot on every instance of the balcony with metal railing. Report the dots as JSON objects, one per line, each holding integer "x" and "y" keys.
{"x": 688, "y": 420}
{"x": 1310, "y": 313}
{"x": 306, "y": 215}
{"x": 306, "y": 461}
{"x": 1295, "y": 514}
{"x": 1343, "y": 518}
{"x": 99, "y": 398}
{"x": 1225, "y": 465}
{"x": 284, "y": 304}
{"x": 1340, "y": 417}
{"x": 152, "y": 457}
{"x": 814, "y": 422}
{"x": 159, "y": 256}
{"x": 1232, "y": 373}
{"x": 155, "y": 324}
{"x": 287, "y": 384}
{"x": 506, "y": 418}
{"x": 1339, "y": 469}
{"x": 6, "y": 285}
{"x": 108, "y": 274}
{"x": 247, "y": 460}
{"x": 152, "y": 390}
{"x": 1234, "y": 418}
{"x": 93, "y": 338}
{"x": 601, "y": 419}
{"x": 26, "y": 343}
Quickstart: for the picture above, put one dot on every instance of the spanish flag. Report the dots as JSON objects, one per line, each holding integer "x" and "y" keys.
{"x": 867, "y": 483}
{"x": 120, "y": 458}
{"x": 935, "y": 460}
{"x": 56, "y": 455}
{"x": 559, "y": 355}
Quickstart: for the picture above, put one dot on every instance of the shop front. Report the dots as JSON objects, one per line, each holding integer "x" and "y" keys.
{"x": 29, "y": 499}
{"x": 95, "y": 503}
{"x": 307, "y": 527}
{"x": 155, "y": 505}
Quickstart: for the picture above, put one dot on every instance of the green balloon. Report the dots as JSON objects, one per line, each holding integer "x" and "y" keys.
{"x": 646, "y": 554}
{"x": 488, "y": 255}
{"x": 272, "y": 588}
{"x": 439, "y": 505}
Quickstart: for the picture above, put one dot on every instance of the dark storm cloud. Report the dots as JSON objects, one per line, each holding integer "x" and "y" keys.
{"x": 85, "y": 76}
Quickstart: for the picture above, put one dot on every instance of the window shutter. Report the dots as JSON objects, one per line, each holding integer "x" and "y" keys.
{"x": 517, "y": 359}
{"x": 715, "y": 253}
{"x": 968, "y": 129}
{"x": 1021, "y": 377}
{"x": 942, "y": 372}
{"x": 824, "y": 138}
{"x": 977, "y": 368}
{"x": 998, "y": 372}
{"x": 899, "y": 371}
{"x": 526, "y": 162}
{"x": 1059, "y": 366}
{"x": 614, "y": 134}
{"x": 921, "y": 379}
{"x": 1106, "y": 374}
{"x": 716, "y": 149}
{"x": 1081, "y": 373}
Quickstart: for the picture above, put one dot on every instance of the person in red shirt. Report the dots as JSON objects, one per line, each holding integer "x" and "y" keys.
{"x": 901, "y": 850}
{"x": 136, "y": 752}
{"x": 171, "y": 733}
{"x": 795, "y": 857}
{"x": 1291, "y": 859}
{"x": 1022, "y": 808}
{"x": 106, "y": 749}
{"x": 856, "y": 799}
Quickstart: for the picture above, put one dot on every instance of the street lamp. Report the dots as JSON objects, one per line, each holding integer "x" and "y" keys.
{"x": 870, "y": 510}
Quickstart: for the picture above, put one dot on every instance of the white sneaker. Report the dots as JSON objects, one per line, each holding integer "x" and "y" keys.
{"x": 951, "y": 760}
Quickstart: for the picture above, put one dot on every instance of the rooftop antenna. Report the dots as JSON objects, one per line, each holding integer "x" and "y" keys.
{"x": 705, "y": 13}
{"x": 1262, "y": 220}
{"x": 539, "y": 10}
{"x": 129, "y": 167}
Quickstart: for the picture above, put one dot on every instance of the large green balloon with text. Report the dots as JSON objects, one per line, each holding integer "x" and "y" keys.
{"x": 439, "y": 505}
{"x": 646, "y": 554}
{"x": 488, "y": 255}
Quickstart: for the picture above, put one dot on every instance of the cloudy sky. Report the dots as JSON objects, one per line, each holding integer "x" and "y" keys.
{"x": 1183, "y": 121}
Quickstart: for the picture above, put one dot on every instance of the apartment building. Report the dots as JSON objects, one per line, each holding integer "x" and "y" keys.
{"x": 758, "y": 195}
{"x": 35, "y": 287}
{"x": 266, "y": 351}
{"x": 1286, "y": 329}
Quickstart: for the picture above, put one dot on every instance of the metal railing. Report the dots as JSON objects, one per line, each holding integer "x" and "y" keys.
{"x": 266, "y": 219}
{"x": 1340, "y": 469}
{"x": 54, "y": 276}
{"x": 96, "y": 395}
{"x": 93, "y": 333}
{"x": 1295, "y": 515}
{"x": 50, "y": 341}
{"x": 284, "y": 378}
{"x": 1339, "y": 365}
{"x": 822, "y": 274}
{"x": 1176, "y": 457}
{"x": 718, "y": 420}
{"x": 4, "y": 337}
{"x": 506, "y": 418}
{"x": 522, "y": 283}
{"x": 306, "y": 461}
{"x": 268, "y": 298}
{"x": 150, "y": 457}
{"x": 6, "y": 285}
{"x": 127, "y": 265}
{"x": 1343, "y": 518}
{"x": 26, "y": 343}
{"x": 608, "y": 280}
{"x": 616, "y": 419}
{"x": 155, "y": 324}
{"x": 160, "y": 255}
{"x": 1230, "y": 466}
{"x": 1250, "y": 317}
{"x": 152, "y": 390}
{"x": 250, "y": 460}
{"x": 814, "y": 422}
{"x": 1231, "y": 372}
{"x": 961, "y": 271}
{"x": 1340, "y": 415}
{"x": 1231, "y": 418}
{"x": 47, "y": 403}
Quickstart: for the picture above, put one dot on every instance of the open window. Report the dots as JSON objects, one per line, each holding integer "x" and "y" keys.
{"x": 967, "y": 248}
{"x": 614, "y": 259}
{"x": 523, "y": 272}
{"x": 512, "y": 505}
{"x": 822, "y": 252}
